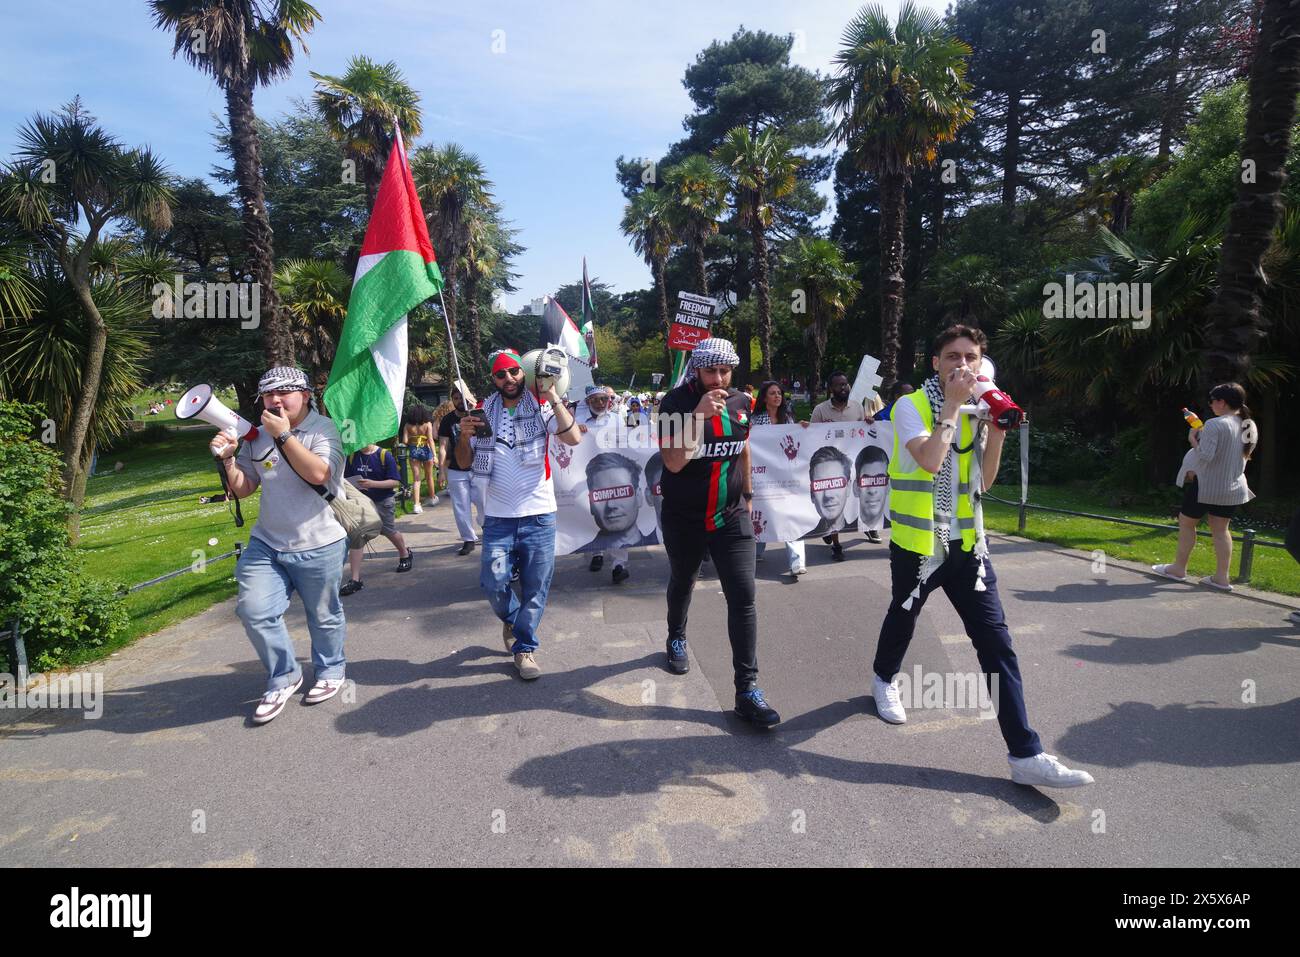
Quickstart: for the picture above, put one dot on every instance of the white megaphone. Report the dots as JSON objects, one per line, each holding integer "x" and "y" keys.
{"x": 200, "y": 403}
{"x": 544, "y": 367}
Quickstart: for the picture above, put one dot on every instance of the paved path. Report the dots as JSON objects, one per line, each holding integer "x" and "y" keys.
{"x": 444, "y": 757}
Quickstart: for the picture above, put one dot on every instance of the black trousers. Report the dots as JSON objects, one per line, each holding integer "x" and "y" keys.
{"x": 732, "y": 550}
{"x": 986, "y": 626}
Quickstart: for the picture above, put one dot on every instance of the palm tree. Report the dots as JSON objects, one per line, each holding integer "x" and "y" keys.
{"x": 449, "y": 179}
{"x": 817, "y": 267}
{"x": 97, "y": 181}
{"x": 315, "y": 292}
{"x": 360, "y": 108}
{"x": 478, "y": 262}
{"x": 760, "y": 169}
{"x": 898, "y": 91}
{"x": 698, "y": 199}
{"x": 244, "y": 44}
{"x": 1235, "y": 326}
{"x": 43, "y": 360}
{"x": 647, "y": 221}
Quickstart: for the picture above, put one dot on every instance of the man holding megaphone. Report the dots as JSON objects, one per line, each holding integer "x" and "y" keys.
{"x": 296, "y": 544}
{"x": 937, "y": 472}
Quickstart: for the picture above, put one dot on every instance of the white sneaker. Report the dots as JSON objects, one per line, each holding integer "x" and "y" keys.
{"x": 798, "y": 568}
{"x": 323, "y": 690}
{"x": 888, "y": 704}
{"x": 273, "y": 702}
{"x": 431, "y": 501}
{"x": 417, "y": 510}
{"x": 1043, "y": 770}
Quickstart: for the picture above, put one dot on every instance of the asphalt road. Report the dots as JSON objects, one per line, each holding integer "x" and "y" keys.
{"x": 1182, "y": 702}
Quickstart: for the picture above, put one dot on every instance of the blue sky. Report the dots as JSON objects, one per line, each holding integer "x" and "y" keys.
{"x": 576, "y": 85}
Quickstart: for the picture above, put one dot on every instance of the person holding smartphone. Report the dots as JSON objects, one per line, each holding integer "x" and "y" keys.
{"x": 506, "y": 444}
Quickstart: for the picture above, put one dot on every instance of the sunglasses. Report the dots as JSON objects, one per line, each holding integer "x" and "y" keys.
{"x": 511, "y": 373}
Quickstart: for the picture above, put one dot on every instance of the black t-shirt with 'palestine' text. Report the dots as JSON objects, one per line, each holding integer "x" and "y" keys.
{"x": 706, "y": 492}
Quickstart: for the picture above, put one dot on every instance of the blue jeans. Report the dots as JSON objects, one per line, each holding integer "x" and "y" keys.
{"x": 267, "y": 579}
{"x": 529, "y": 541}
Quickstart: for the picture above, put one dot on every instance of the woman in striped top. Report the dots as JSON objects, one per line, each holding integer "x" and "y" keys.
{"x": 1213, "y": 479}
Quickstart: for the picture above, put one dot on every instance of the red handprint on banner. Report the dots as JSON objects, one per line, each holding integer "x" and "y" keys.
{"x": 790, "y": 447}
{"x": 759, "y": 523}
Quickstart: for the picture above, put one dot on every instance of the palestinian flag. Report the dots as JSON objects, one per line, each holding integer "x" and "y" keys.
{"x": 678, "y": 375}
{"x": 588, "y": 316}
{"x": 558, "y": 329}
{"x": 396, "y": 272}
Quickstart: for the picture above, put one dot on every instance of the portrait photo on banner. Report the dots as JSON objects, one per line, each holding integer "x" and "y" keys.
{"x": 607, "y": 491}
{"x": 815, "y": 481}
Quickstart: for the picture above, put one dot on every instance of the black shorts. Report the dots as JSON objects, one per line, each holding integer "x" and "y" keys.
{"x": 1194, "y": 509}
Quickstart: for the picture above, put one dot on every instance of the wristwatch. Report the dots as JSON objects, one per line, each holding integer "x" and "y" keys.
{"x": 283, "y": 437}
{"x": 747, "y": 496}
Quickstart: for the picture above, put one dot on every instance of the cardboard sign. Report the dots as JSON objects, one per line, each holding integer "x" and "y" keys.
{"x": 691, "y": 324}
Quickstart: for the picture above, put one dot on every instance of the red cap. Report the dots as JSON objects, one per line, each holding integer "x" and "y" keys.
{"x": 506, "y": 359}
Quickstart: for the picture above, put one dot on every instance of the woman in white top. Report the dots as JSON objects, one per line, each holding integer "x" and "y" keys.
{"x": 1213, "y": 479}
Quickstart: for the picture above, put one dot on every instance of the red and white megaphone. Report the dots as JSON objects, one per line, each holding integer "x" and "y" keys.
{"x": 200, "y": 403}
{"x": 1004, "y": 412}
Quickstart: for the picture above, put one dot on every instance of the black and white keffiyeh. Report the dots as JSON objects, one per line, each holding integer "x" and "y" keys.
{"x": 525, "y": 427}
{"x": 712, "y": 352}
{"x": 945, "y": 497}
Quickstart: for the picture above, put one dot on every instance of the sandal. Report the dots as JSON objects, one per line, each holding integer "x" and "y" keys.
{"x": 1163, "y": 572}
{"x": 1209, "y": 580}
{"x": 404, "y": 564}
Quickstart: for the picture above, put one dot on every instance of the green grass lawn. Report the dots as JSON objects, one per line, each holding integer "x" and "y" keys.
{"x": 147, "y": 520}
{"x": 1275, "y": 569}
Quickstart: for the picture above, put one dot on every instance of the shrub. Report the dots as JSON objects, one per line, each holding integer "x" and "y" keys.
{"x": 41, "y": 578}
{"x": 1055, "y": 455}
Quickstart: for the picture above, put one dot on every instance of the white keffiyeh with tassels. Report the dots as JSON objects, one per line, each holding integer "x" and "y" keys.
{"x": 945, "y": 498}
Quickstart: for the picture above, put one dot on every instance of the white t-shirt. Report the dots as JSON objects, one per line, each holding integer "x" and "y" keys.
{"x": 519, "y": 485}
{"x": 908, "y": 426}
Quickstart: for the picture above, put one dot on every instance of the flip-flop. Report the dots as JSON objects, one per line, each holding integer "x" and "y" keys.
{"x": 1208, "y": 580}
{"x": 1162, "y": 571}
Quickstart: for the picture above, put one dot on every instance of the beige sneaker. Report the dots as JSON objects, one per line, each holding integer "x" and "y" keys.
{"x": 526, "y": 666}
{"x": 508, "y": 637}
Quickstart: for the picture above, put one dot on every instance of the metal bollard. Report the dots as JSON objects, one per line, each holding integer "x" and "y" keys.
{"x": 1247, "y": 555}
{"x": 1024, "y": 471}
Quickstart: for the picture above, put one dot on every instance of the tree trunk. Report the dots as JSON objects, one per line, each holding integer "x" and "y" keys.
{"x": 79, "y": 488}
{"x": 475, "y": 346}
{"x": 1235, "y": 324}
{"x": 701, "y": 277}
{"x": 1011, "y": 150}
{"x": 892, "y": 211}
{"x": 761, "y": 287}
{"x": 449, "y": 303}
{"x": 91, "y": 372}
{"x": 817, "y": 345}
{"x": 744, "y": 336}
{"x": 659, "y": 267}
{"x": 1169, "y": 101}
{"x": 245, "y": 149}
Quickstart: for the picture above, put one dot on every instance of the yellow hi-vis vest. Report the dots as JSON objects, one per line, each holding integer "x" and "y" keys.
{"x": 911, "y": 494}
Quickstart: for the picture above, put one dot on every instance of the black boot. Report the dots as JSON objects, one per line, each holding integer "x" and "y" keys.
{"x": 678, "y": 662}
{"x": 753, "y": 707}
{"x": 597, "y": 563}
